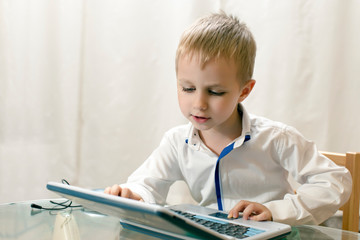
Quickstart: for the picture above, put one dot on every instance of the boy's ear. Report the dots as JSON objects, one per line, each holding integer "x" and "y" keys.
{"x": 246, "y": 90}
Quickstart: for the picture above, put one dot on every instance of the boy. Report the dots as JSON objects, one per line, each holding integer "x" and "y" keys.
{"x": 231, "y": 160}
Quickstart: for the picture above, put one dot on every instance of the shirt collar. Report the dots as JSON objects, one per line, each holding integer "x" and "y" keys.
{"x": 194, "y": 140}
{"x": 246, "y": 125}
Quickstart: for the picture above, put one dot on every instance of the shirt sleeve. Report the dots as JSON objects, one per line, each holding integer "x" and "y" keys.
{"x": 154, "y": 177}
{"x": 324, "y": 186}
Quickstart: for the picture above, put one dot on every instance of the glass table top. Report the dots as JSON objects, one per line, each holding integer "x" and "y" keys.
{"x": 20, "y": 221}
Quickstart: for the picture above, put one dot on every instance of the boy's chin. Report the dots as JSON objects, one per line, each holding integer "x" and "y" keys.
{"x": 200, "y": 127}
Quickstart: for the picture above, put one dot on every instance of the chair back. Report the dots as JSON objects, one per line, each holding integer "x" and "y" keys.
{"x": 351, "y": 161}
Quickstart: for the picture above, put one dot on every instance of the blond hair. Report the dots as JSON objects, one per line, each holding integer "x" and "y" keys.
{"x": 220, "y": 36}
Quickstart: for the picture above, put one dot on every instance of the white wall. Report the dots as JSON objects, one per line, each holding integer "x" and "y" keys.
{"x": 87, "y": 88}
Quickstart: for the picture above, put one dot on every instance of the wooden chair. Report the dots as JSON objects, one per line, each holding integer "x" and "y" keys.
{"x": 350, "y": 210}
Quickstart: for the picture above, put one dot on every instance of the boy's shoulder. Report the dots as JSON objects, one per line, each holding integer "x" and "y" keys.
{"x": 263, "y": 124}
{"x": 255, "y": 124}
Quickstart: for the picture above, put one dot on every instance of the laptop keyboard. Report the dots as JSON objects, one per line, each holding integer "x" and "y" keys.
{"x": 222, "y": 227}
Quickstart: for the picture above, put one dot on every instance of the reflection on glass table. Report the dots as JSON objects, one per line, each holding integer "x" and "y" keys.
{"x": 20, "y": 221}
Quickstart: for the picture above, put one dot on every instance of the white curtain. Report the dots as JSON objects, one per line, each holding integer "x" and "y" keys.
{"x": 88, "y": 88}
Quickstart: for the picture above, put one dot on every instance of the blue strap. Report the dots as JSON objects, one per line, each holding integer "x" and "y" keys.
{"x": 224, "y": 152}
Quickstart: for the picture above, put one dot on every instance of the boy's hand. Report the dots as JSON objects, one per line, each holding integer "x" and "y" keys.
{"x": 251, "y": 210}
{"x": 122, "y": 192}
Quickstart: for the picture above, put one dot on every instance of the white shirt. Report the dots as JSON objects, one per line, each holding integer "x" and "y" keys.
{"x": 255, "y": 170}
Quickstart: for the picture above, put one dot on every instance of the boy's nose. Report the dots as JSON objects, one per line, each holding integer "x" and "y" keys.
{"x": 200, "y": 102}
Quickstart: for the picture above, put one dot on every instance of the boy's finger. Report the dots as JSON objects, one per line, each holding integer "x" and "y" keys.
{"x": 264, "y": 216}
{"x": 126, "y": 193}
{"x": 115, "y": 190}
{"x": 260, "y": 217}
{"x": 234, "y": 212}
{"x": 107, "y": 190}
{"x": 248, "y": 211}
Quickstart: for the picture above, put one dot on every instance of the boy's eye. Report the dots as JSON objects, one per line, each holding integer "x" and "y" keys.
{"x": 186, "y": 89}
{"x": 216, "y": 93}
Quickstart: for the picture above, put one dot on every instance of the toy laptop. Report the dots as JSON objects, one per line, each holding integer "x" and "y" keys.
{"x": 182, "y": 221}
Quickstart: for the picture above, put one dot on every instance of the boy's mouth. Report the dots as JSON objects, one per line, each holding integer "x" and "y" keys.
{"x": 199, "y": 119}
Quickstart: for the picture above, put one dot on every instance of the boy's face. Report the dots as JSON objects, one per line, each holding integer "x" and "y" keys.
{"x": 208, "y": 96}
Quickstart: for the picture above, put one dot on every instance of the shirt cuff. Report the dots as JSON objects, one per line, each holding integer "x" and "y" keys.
{"x": 282, "y": 211}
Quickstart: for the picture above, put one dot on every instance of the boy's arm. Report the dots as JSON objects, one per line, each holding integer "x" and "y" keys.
{"x": 325, "y": 187}
{"x": 152, "y": 180}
